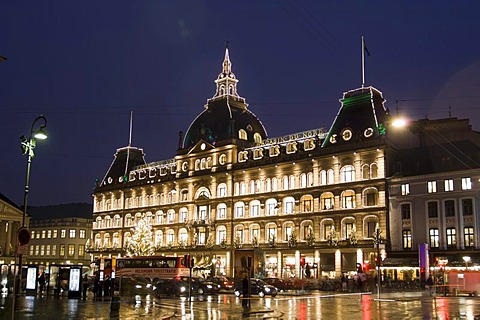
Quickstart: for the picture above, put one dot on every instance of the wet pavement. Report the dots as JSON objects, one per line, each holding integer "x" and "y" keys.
{"x": 316, "y": 305}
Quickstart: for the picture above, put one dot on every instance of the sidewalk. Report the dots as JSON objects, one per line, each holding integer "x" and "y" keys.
{"x": 50, "y": 307}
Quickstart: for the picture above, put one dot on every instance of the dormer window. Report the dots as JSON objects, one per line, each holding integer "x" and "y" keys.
{"x": 242, "y": 134}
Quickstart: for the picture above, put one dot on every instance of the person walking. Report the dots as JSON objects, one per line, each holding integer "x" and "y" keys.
{"x": 245, "y": 291}
{"x": 41, "y": 282}
{"x": 85, "y": 286}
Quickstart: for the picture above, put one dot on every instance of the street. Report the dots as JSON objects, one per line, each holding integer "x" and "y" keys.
{"x": 317, "y": 305}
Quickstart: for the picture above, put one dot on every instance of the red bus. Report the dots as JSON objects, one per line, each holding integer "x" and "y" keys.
{"x": 150, "y": 267}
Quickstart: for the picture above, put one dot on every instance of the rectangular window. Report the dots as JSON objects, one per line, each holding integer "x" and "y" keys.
{"x": 222, "y": 234}
{"x": 255, "y": 210}
{"x": 469, "y": 237}
{"x": 405, "y": 209}
{"x": 81, "y": 250}
{"x": 72, "y": 234}
{"x": 62, "y": 250}
{"x": 71, "y": 250}
{"x": 407, "y": 239}
{"x": 31, "y": 250}
{"x": 371, "y": 226}
{"x": 432, "y": 186}
{"x": 449, "y": 208}
{"x": 44, "y": 234}
{"x": 467, "y": 207}
{"x": 371, "y": 198}
{"x": 222, "y": 191}
{"x": 289, "y": 207}
{"x": 49, "y": 234}
{"x": 271, "y": 209}
{"x": 432, "y": 209}
{"x": 183, "y": 216}
{"x": 63, "y": 233}
{"x": 38, "y": 235}
{"x": 31, "y": 232}
{"x": 272, "y": 232}
{"x": 466, "y": 183}
{"x": 405, "y": 188}
{"x": 42, "y": 250}
{"x": 239, "y": 212}
{"x": 37, "y": 250}
{"x": 221, "y": 214}
{"x": 54, "y": 249}
{"x": 348, "y": 229}
{"x": 434, "y": 238}
{"x": 54, "y": 235}
{"x": 348, "y": 201}
{"x": 48, "y": 250}
{"x": 288, "y": 233}
{"x": 327, "y": 203}
{"x": 327, "y": 228}
{"x": 451, "y": 237}
{"x": 82, "y": 233}
{"x": 307, "y": 205}
{"x": 239, "y": 235}
{"x": 448, "y": 184}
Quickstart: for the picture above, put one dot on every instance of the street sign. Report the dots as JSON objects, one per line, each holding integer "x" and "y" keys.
{"x": 22, "y": 250}
{"x": 23, "y": 236}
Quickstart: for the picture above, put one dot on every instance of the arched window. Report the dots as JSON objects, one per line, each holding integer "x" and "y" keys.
{"x": 98, "y": 240}
{"x": 252, "y": 186}
{"x": 288, "y": 230}
{"x": 326, "y": 227}
{"x": 271, "y": 207}
{"x": 257, "y": 138}
{"x": 365, "y": 172}
{"x": 347, "y": 173}
{"x": 108, "y": 222}
{"x": 303, "y": 180}
{"x": 270, "y": 232}
{"x": 374, "y": 171}
{"x": 184, "y": 195}
{"x": 159, "y": 217}
{"x": 292, "y": 182}
{"x": 202, "y": 193}
{"x": 348, "y": 226}
{"x": 116, "y": 240}
{"x": 239, "y": 208}
{"x": 370, "y": 197}
{"x": 182, "y": 214}
{"x": 170, "y": 236}
{"x": 222, "y": 211}
{"x": 106, "y": 240}
{"x": 274, "y": 184}
{"x": 310, "y": 179}
{"x": 306, "y": 230}
{"x": 239, "y": 233}
{"x": 221, "y": 234}
{"x": 183, "y": 235}
{"x": 288, "y": 205}
{"x": 330, "y": 176}
{"x": 148, "y": 218}
{"x": 222, "y": 190}
{"x": 128, "y": 220}
{"x": 236, "y": 189}
{"x": 158, "y": 238}
{"x": 126, "y": 238}
{"x": 243, "y": 188}
{"x": 327, "y": 201}
{"x": 348, "y": 199}
{"x": 285, "y": 183}
{"x": 323, "y": 177}
{"x": 242, "y": 134}
{"x": 254, "y": 207}
{"x": 117, "y": 221}
{"x": 171, "y": 216}
{"x": 306, "y": 203}
{"x": 268, "y": 185}
{"x": 369, "y": 226}
{"x": 98, "y": 223}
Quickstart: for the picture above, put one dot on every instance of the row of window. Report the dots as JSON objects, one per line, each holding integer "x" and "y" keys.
{"x": 51, "y": 250}
{"x": 448, "y": 185}
{"x": 433, "y": 208}
{"x": 327, "y": 229}
{"x": 304, "y": 180}
{"x": 254, "y": 209}
{"x": 434, "y": 237}
{"x": 53, "y": 234}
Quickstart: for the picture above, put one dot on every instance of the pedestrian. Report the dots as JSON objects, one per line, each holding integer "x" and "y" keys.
{"x": 96, "y": 286}
{"x": 344, "y": 282}
{"x": 307, "y": 271}
{"x": 41, "y": 282}
{"x": 85, "y": 286}
{"x": 10, "y": 279}
{"x": 106, "y": 287}
{"x": 246, "y": 296}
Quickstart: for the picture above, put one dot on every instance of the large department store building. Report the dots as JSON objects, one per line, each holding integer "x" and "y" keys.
{"x": 231, "y": 191}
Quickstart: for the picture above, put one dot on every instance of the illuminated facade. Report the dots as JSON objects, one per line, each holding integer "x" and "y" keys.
{"x": 231, "y": 191}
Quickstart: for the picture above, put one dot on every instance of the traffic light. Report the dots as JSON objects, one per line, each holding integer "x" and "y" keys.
{"x": 187, "y": 261}
{"x": 302, "y": 261}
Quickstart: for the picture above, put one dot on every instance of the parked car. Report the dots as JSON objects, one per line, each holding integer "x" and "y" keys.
{"x": 257, "y": 286}
{"x": 224, "y": 282}
{"x": 173, "y": 286}
{"x": 201, "y": 286}
{"x": 277, "y": 283}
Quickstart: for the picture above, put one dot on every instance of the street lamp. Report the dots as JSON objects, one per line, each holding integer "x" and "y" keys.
{"x": 467, "y": 260}
{"x": 28, "y": 145}
{"x": 377, "y": 238}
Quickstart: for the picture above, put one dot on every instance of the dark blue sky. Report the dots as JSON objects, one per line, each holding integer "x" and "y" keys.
{"x": 86, "y": 64}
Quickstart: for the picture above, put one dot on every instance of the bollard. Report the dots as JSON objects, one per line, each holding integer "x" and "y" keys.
{"x": 115, "y": 304}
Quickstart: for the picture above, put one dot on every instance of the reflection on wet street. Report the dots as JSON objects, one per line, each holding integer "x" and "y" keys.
{"x": 413, "y": 305}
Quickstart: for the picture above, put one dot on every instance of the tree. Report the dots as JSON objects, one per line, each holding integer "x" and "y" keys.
{"x": 141, "y": 244}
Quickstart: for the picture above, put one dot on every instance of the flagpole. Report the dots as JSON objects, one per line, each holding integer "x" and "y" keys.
{"x": 363, "y": 63}
{"x": 129, "y": 143}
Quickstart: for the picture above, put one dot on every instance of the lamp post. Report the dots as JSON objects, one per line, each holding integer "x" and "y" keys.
{"x": 467, "y": 260}
{"x": 28, "y": 145}
{"x": 377, "y": 238}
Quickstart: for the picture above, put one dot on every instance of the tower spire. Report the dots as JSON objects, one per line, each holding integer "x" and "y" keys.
{"x": 226, "y": 81}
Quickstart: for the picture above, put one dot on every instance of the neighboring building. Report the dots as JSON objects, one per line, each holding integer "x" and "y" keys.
{"x": 231, "y": 191}
{"x": 60, "y": 239}
{"x": 10, "y": 221}
{"x": 434, "y": 195}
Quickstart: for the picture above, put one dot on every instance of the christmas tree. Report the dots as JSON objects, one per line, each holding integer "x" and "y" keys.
{"x": 141, "y": 244}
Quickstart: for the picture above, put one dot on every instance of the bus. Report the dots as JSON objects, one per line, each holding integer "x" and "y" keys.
{"x": 150, "y": 267}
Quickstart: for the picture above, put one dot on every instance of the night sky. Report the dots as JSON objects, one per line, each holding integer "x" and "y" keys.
{"x": 86, "y": 64}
